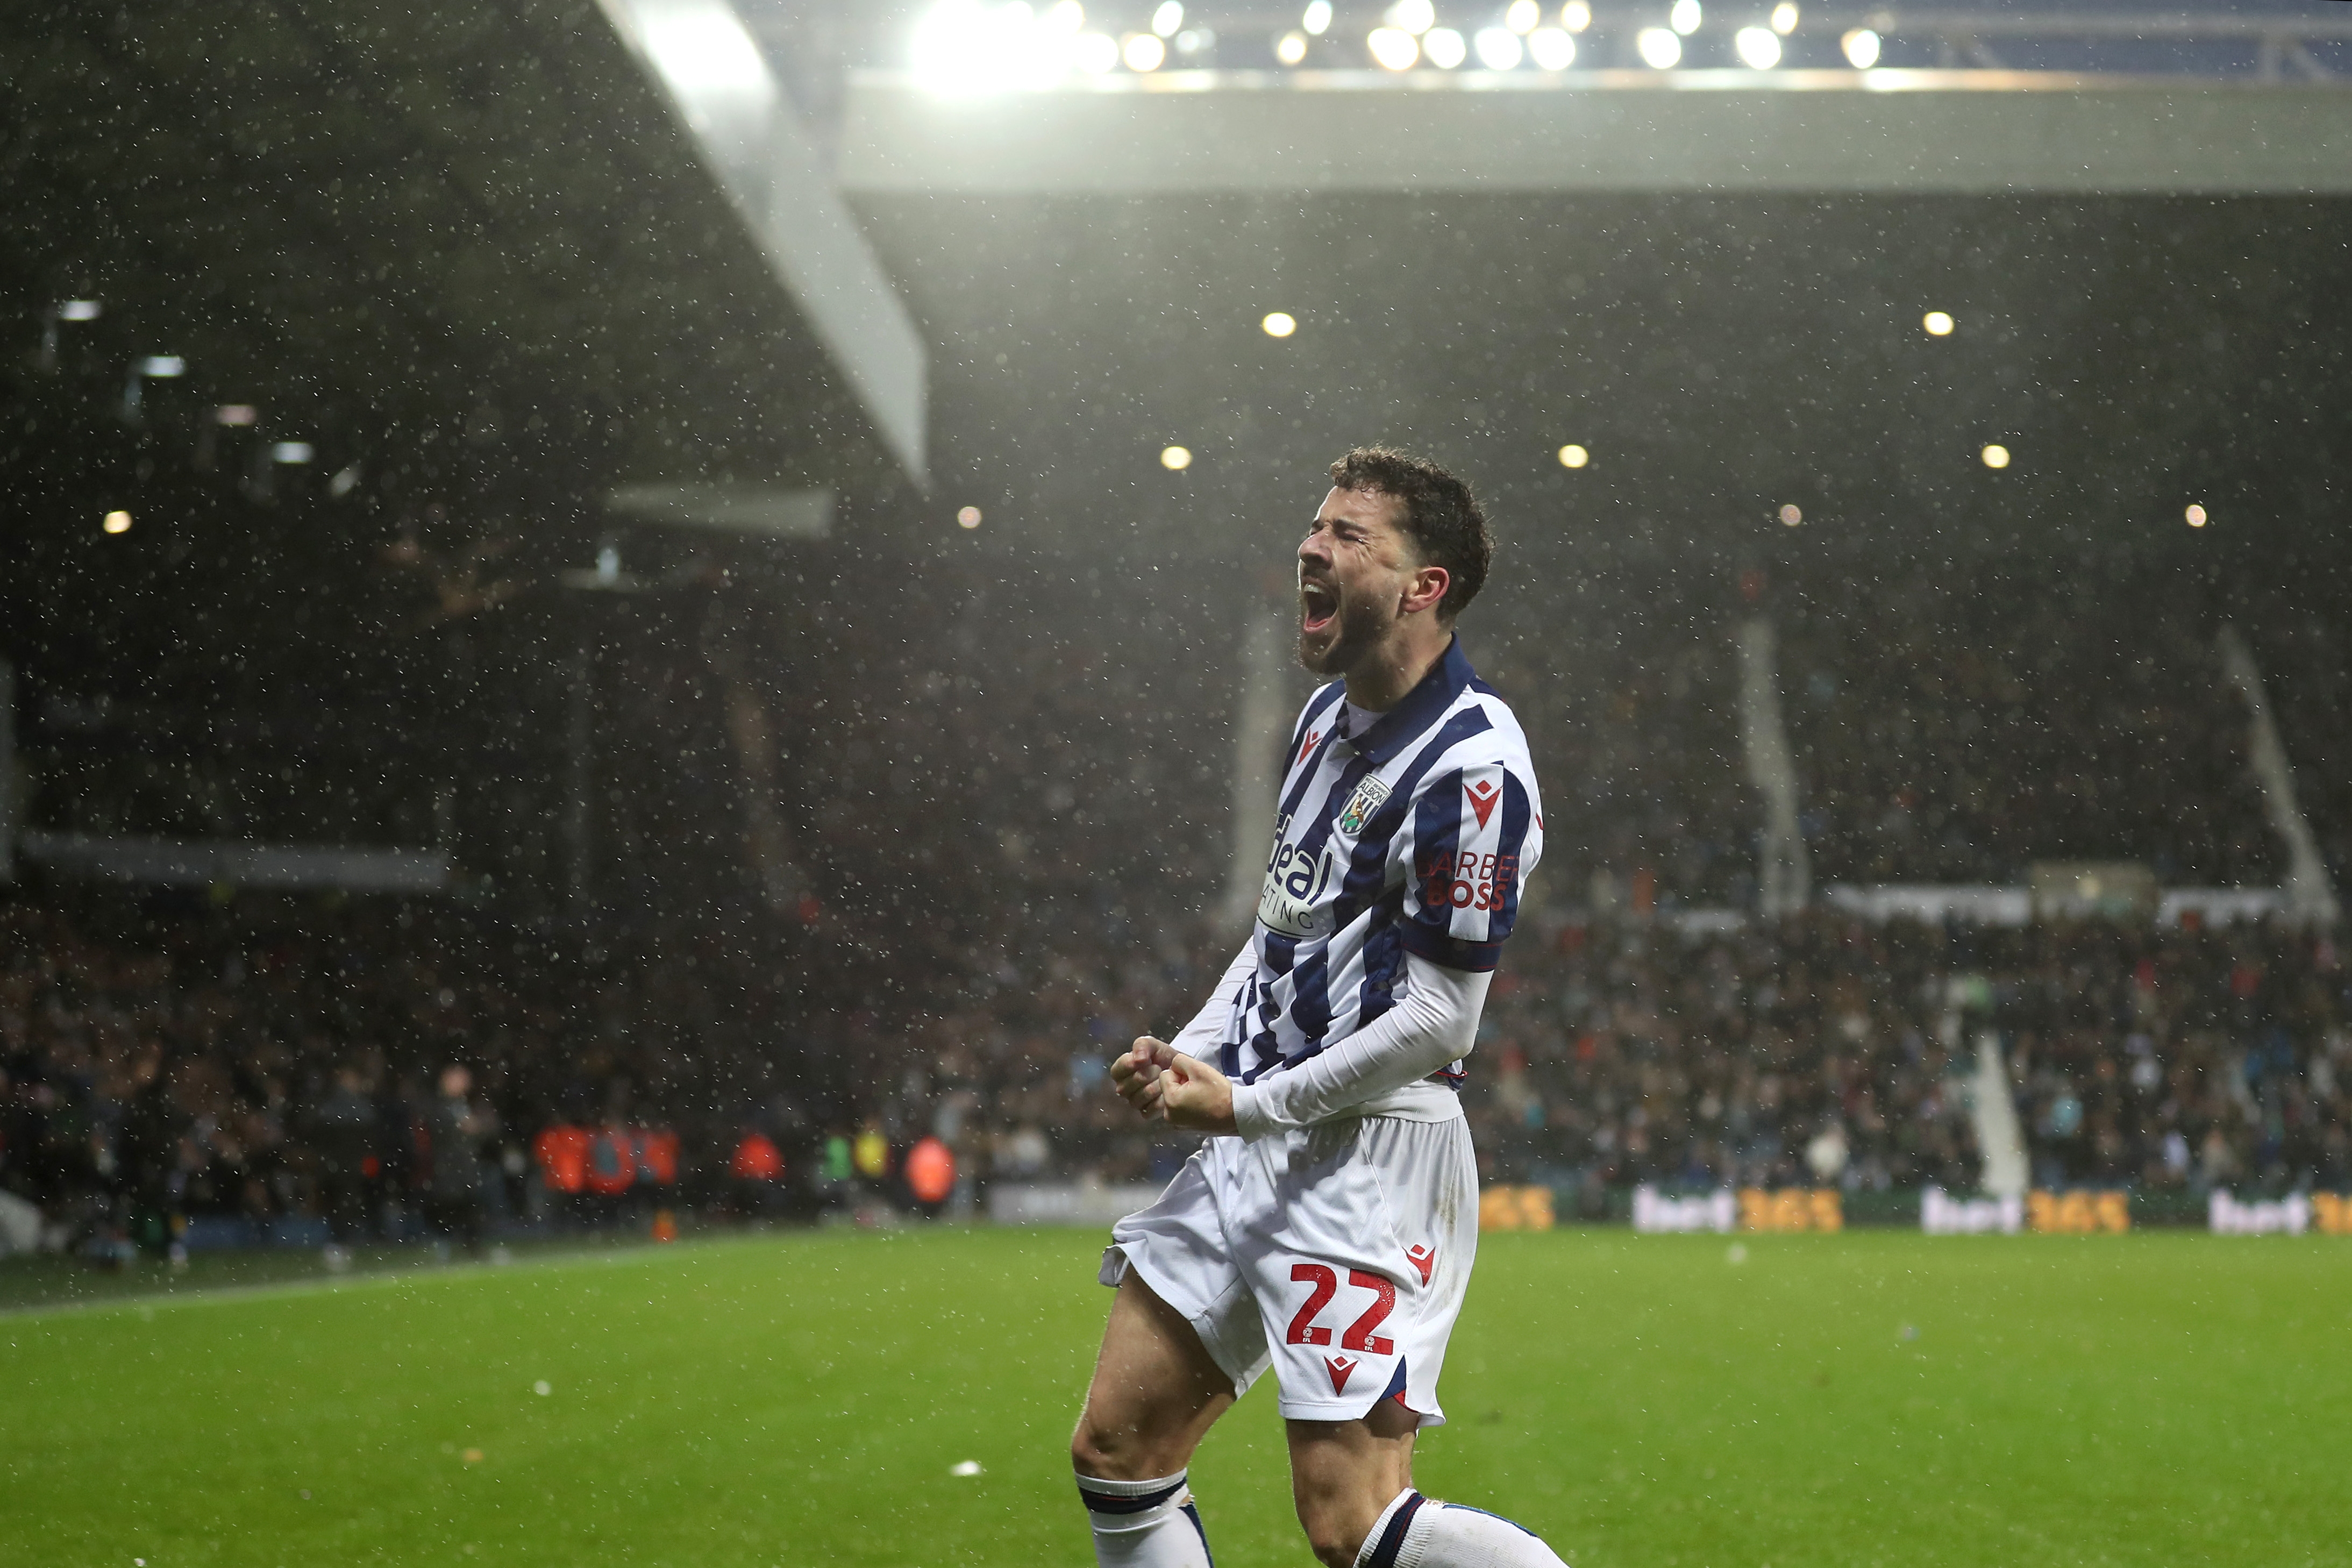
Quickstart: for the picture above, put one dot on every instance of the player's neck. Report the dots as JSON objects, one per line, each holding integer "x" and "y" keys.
{"x": 1387, "y": 674}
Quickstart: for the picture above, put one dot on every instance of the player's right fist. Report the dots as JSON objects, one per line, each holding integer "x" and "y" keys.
{"x": 1135, "y": 1075}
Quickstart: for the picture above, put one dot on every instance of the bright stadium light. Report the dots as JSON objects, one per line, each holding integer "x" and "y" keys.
{"x": 1939, "y": 324}
{"x": 290, "y": 452}
{"x": 1095, "y": 53}
{"x": 1168, "y": 19}
{"x": 235, "y": 414}
{"x": 1143, "y": 52}
{"x": 1861, "y": 48}
{"x": 1523, "y": 17}
{"x": 1996, "y": 456}
{"x": 163, "y": 367}
{"x": 1290, "y": 49}
{"x": 1445, "y": 47}
{"x": 1414, "y": 16}
{"x": 968, "y": 517}
{"x": 1279, "y": 324}
{"x": 1685, "y": 17}
{"x": 1175, "y": 459}
{"x": 1760, "y": 47}
{"x": 2197, "y": 518}
{"x": 120, "y": 521}
{"x": 1499, "y": 48}
{"x": 1394, "y": 48}
{"x": 80, "y": 310}
{"x": 1552, "y": 50}
{"x": 1791, "y": 516}
{"x": 1318, "y": 18}
{"x": 1576, "y": 15}
{"x": 1659, "y": 49}
{"x": 1784, "y": 19}
{"x": 965, "y": 44}
{"x": 1573, "y": 455}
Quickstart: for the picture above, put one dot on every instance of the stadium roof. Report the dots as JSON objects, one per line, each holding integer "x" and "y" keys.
{"x": 477, "y": 231}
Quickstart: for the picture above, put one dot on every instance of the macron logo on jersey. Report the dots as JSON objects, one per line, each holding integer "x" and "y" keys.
{"x": 1483, "y": 796}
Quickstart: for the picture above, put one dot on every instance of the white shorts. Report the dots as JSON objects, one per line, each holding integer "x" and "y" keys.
{"x": 1337, "y": 1254}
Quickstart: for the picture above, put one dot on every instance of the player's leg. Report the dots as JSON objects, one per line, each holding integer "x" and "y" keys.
{"x": 1343, "y": 1475}
{"x": 1156, "y": 1392}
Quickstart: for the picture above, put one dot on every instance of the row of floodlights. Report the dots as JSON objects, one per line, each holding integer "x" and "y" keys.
{"x": 990, "y": 43}
{"x": 172, "y": 367}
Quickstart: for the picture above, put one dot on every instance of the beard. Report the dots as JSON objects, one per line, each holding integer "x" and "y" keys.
{"x": 1354, "y": 629}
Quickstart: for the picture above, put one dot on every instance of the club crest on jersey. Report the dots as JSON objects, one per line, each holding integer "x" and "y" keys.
{"x": 1362, "y": 804}
{"x": 1340, "y": 1366}
{"x": 1483, "y": 796}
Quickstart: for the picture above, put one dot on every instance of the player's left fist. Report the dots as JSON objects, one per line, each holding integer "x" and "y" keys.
{"x": 1192, "y": 1094}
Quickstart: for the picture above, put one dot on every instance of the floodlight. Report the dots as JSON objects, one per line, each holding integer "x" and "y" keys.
{"x": 1168, "y": 19}
{"x": 1523, "y": 17}
{"x": 1415, "y": 17}
{"x": 163, "y": 367}
{"x": 120, "y": 521}
{"x": 1445, "y": 47}
{"x": 1573, "y": 456}
{"x": 968, "y": 517}
{"x": 1685, "y": 17}
{"x": 1659, "y": 47}
{"x": 1553, "y": 50}
{"x": 1939, "y": 324}
{"x": 1784, "y": 19}
{"x": 1499, "y": 48}
{"x": 1290, "y": 49}
{"x": 1175, "y": 458}
{"x": 80, "y": 310}
{"x": 1395, "y": 47}
{"x": 2197, "y": 518}
{"x": 1791, "y": 516}
{"x": 235, "y": 414}
{"x": 1996, "y": 456}
{"x": 1861, "y": 48}
{"x": 1095, "y": 53}
{"x": 1279, "y": 324}
{"x": 1760, "y": 47}
{"x": 1317, "y": 18}
{"x": 1576, "y": 15}
{"x": 1144, "y": 52}
{"x": 290, "y": 452}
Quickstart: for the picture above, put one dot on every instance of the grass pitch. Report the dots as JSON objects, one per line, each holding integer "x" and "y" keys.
{"x": 1643, "y": 1402}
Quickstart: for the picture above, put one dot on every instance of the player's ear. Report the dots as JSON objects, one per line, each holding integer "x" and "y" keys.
{"x": 1425, "y": 590}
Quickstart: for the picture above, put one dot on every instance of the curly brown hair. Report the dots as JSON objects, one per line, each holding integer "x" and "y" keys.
{"x": 1442, "y": 517}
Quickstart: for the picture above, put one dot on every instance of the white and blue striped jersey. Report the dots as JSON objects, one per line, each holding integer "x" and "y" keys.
{"x": 1415, "y": 836}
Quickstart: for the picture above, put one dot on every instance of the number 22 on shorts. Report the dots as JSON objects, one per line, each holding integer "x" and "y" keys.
{"x": 1325, "y": 1280}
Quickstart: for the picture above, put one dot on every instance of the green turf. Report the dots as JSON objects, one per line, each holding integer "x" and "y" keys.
{"x": 2157, "y": 1399}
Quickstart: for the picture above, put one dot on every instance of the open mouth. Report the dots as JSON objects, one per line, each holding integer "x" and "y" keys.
{"x": 1318, "y": 606}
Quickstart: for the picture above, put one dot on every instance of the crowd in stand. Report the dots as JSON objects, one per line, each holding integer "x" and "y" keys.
{"x": 1012, "y": 821}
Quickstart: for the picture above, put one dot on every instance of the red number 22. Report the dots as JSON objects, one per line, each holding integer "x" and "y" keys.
{"x": 1306, "y": 1330}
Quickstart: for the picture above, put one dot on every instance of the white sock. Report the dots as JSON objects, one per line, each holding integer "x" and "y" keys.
{"x": 1415, "y": 1532}
{"x": 1145, "y": 1524}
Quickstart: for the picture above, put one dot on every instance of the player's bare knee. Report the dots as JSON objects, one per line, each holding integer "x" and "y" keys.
{"x": 1110, "y": 1453}
{"x": 1330, "y": 1535}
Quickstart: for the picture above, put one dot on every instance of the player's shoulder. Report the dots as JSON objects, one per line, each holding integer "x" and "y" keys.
{"x": 1499, "y": 739}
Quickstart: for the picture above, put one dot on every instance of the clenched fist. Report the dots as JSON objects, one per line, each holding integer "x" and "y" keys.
{"x": 1159, "y": 1080}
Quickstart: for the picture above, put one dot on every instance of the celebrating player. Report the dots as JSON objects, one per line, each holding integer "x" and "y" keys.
{"x": 1328, "y": 1227}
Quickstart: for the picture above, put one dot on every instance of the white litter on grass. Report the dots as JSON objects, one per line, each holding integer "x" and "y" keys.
{"x": 542, "y": 1388}
{"x": 967, "y": 1468}
{"x": 1736, "y": 1254}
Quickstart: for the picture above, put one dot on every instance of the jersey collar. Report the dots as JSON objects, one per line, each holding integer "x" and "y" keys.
{"x": 1423, "y": 707}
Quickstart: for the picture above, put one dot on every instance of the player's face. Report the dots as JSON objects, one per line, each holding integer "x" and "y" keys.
{"x": 1355, "y": 566}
